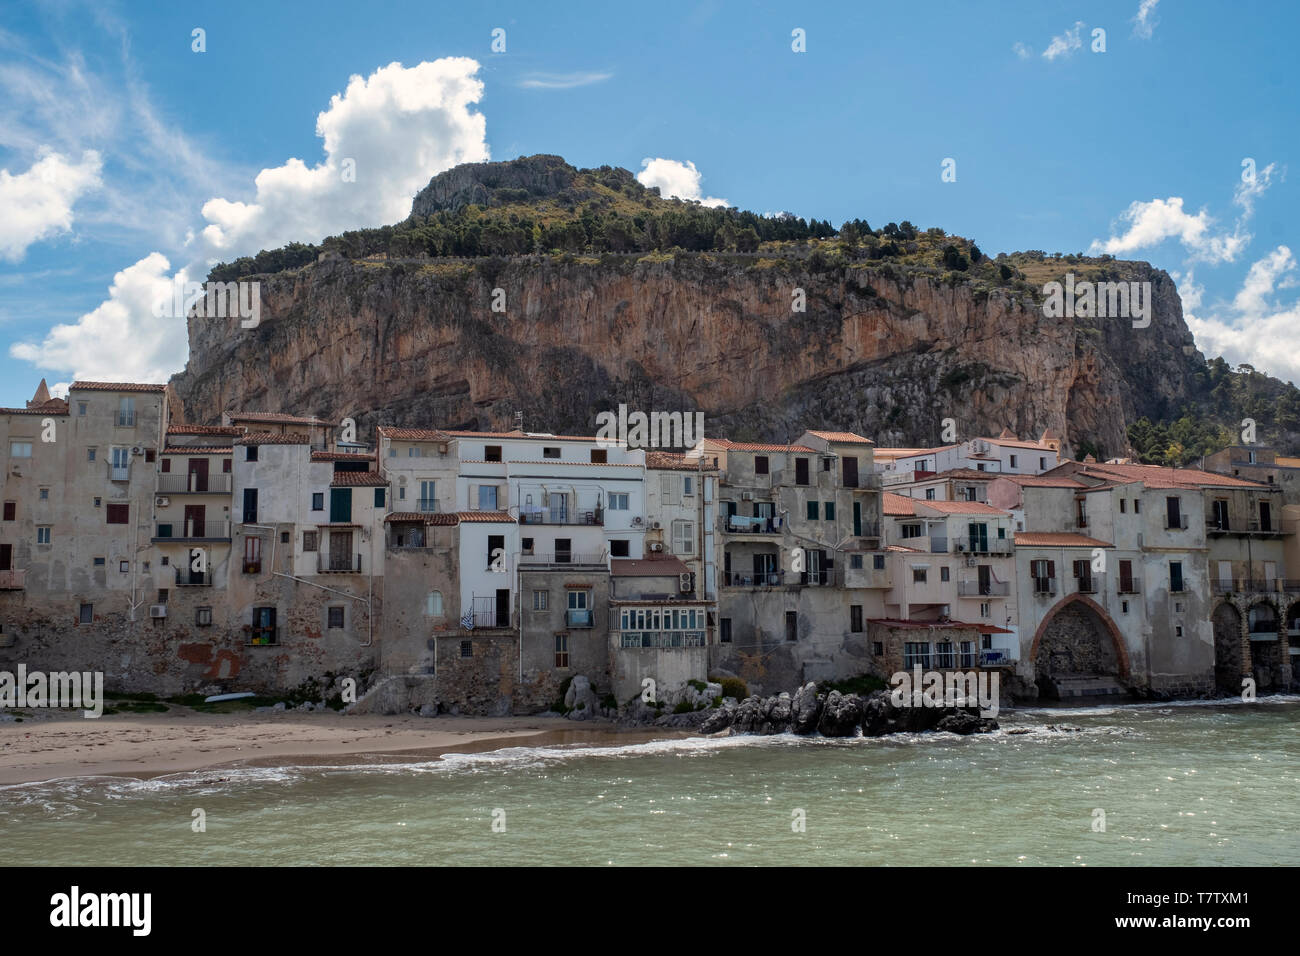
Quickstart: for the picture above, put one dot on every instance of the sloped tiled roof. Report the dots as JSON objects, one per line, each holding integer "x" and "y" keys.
{"x": 1057, "y": 539}
{"x": 55, "y": 406}
{"x": 270, "y": 438}
{"x": 1157, "y": 476}
{"x": 414, "y": 434}
{"x": 116, "y": 387}
{"x": 661, "y": 566}
{"x": 182, "y": 428}
{"x": 843, "y": 438}
{"x": 198, "y": 450}
{"x": 484, "y": 516}
{"x": 358, "y": 479}
{"x": 1043, "y": 481}
{"x": 341, "y": 456}
{"x": 757, "y": 446}
{"x": 897, "y": 504}
{"x": 277, "y": 418}
{"x": 960, "y": 507}
{"x": 428, "y": 517}
{"x": 672, "y": 461}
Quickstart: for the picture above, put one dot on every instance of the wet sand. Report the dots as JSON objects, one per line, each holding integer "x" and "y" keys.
{"x": 146, "y": 745}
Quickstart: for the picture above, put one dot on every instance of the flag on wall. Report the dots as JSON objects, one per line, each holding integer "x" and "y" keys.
{"x": 467, "y": 620}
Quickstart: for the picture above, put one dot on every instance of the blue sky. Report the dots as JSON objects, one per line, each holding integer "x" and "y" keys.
{"x": 126, "y": 156}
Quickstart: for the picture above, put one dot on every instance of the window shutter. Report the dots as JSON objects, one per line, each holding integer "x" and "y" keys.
{"x": 1051, "y": 569}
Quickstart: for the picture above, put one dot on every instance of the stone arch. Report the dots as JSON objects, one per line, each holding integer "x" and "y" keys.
{"x": 1075, "y": 606}
{"x": 1228, "y": 664}
{"x": 1265, "y": 655}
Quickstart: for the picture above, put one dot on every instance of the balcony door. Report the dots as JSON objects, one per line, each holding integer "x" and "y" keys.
{"x": 198, "y": 480}
{"x": 195, "y": 520}
{"x": 985, "y": 581}
{"x": 979, "y": 536}
{"x": 340, "y": 550}
{"x": 503, "y": 607}
{"x": 6, "y": 557}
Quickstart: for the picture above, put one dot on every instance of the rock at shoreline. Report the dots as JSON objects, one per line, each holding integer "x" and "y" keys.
{"x": 806, "y": 709}
{"x": 841, "y": 715}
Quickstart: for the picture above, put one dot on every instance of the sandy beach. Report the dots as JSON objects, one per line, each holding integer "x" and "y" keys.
{"x": 143, "y": 745}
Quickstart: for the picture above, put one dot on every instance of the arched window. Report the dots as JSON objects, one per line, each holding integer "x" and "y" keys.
{"x": 433, "y": 604}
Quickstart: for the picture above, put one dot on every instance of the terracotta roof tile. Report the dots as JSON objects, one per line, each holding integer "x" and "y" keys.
{"x": 414, "y": 434}
{"x": 758, "y": 446}
{"x": 198, "y": 450}
{"x": 115, "y": 387}
{"x": 270, "y": 438}
{"x": 341, "y": 456}
{"x": 960, "y": 507}
{"x": 897, "y": 504}
{"x": 184, "y": 429}
{"x": 278, "y": 418}
{"x": 673, "y": 461}
{"x": 428, "y": 517}
{"x": 1043, "y": 481}
{"x": 484, "y": 516}
{"x": 1057, "y": 539}
{"x": 844, "y": 438}
{"x": 660, "y": 566}
{"x": 358, "y": 479}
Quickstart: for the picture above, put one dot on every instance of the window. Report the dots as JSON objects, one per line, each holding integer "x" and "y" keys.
{"x": 1042, "y": 464}
{"x": 855, "y": 562}
{"x": 561, "y": 650}
{"x": 428, "y": 500}
{"x": 284, "y": 537}
{"x": 150, "y": 455}
{"x": 11, "y": 510}
{"x": 1044, "y": 575}
{"x": 496, "y": 542}
{"x": 379, "y": 497}
{"x": 724, "y": 633}
{"x": 97, "y": 501}
{"x": 619, "y": 549}
{"x": 252, "y": 555}
{"x": 878, "y": 562}
{"x": 526, "y": 545}
{"x": 90, "y": 454}
{"x": 668, "y": 489}
{"x": 118, "y": 514}
{"x": 618, "y": 502}
{"x": 433, "y": 604}
{"x": 826, "y": 464}
{"x": 911, "y": 531}
{"x": 162, "y": 595}
{"x": 1124, "y": 606}
{"x": 87, "y": 614}
{"x": 466, "y": 648}
{"x": 916, "y": 654}
{"x": 855, "y": 617}
{"x": 492, "y": 453}
{"x": 599, "y": 456}
{"x": 1123, "y": 506}
{"x": 829, "y": 511}
{"x": 929, "y": 494}
{"x": 943, "y": 654}
{"x": 688, "y": 485}
{"x": 165, "y": 466}
{"x": 413, "y": 452}
{"x": 877, "y": 649}
{"x": 81, "y": 409}
{"x": 792, "y": 625}
{"x": 943, "y": 574}
{"x": 1013, "y": 461}
{"x": 44, "y": 494}
{"x": 540, "y": 599}
{"x": 126, "y": 411}
{"x": 392, "y": 452}
{"x": 250, "y": 453}
{"x": 812, "y": 510}
{"x": 335, "y": 616}
{"x": 1178, "y": 630}
{"x": 985, "y": 608}
{"x": 98, "y": 562}
{"x": 683, "y": 537}
{"x": 43, "y": 534}
{"x": 225, "y": 466}
{"x": 550, "y": 453}
{"x": 1175, "y": 576}
{"x": 203, "y": 616}
{"x": 318, "y": 501}
{"x": 20, "y": 449}
{"x": 918, "y": 575}
{"x": 1137, "y": 506}
{"x": 801, "y": 471}
{"x": 309, "y": 540}
{"x": 760, "y": 464}
{"x": 487, "y": 497}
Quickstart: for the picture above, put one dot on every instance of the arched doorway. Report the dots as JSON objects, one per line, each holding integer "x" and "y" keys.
{"x": 1227, "y": 649}
{"x": 1265, "y": 645}
{"x": 1078, "y": 651}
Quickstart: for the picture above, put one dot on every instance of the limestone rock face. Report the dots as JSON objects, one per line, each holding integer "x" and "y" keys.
{"x": 882, "y": 352}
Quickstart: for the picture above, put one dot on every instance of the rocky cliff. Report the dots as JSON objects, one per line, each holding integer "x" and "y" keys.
{"x": 885, "y": 348}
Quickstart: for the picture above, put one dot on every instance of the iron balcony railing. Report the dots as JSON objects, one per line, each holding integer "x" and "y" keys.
{"x": 118, "y": 472}
{"x": 1129, "y": 586}
{"x": 754, "y": 579}
{"x": 193, "y": 484}
{"x": 187, "y": 577}
{"x": 561, "y": 559}
{"x": 1087, "y": 585}
{"x": 749, "y": 524}
{"x": 338, "y": 563}
{"x": 13, "y": 580}
{"x": 579, "y": 617}
{"x": 968, "y": 545}
{"x": 406, "y": 539}
{"x": 590, "y": 516}
{"x": 994, "y": 658}
{"x": 191, "y": 529}
{"x": 1252, "y": 526}
{"x": 427, "y": 505}
{"x": 488, "y": 618}
{"x": 660, "y": 639}
{"x": 988, "y": 589}
{"x": 1044, "y": 586}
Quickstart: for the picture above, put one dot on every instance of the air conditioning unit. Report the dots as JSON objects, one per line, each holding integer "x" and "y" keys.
{"x": 944, "y": 611}
{"x": 137, "y": 450}
{"x": 162, "y": 501}
{"x": 157, "y": 610}
{"x": 638, "y": 520}
{"x": 970, "y": 560}
{"x": 655, "y": 525}
{"x": 746, "y": 496}
{"x": 656, "y": 546}
{"x": 684, "y": 582}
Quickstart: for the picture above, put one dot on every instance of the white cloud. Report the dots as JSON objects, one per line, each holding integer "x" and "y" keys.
{"x": 676, "y": 179}
{"x": 1022, "y": 50}
{"x": 121, "y": 340}
{"x": 400, "y": 125}
{"x": 1248, "y": 190}
{"x": 1066, "y": 43}
{"x": 561, "y": 81}
{"x": 1144, "y": 23}
{"x": 1254, "y": 328}
{"x": 38, "y": 204}
{"x": 1150, "y": 223}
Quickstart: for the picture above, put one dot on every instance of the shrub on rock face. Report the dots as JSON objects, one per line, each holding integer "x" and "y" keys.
{"x": 734, "y": 687}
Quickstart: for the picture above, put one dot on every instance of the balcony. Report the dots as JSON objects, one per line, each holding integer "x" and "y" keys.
{"x": 1044, "y": 587}
{"x": 13, "y": 580}
{"x": 1086, "y": 585}
{"x": 263, "y": 637}
{"x": 427, "y": 505}
{"x": 400, "y": 540}
{"x": 337, "y": 563}
{"x": 996, "y": 658}
{"x": 579, "y": 617}
{"x": 188, "y": 578}
{"x": 1129, "y": 586}
{"x": 593, "y": 516}
{"x": 762, "y": 579}
{"x": 1222, "y": 526}
{"x": 560, "y": 559}
{"x": 938, "y": 545}
{"x": 486, "y": 619}
{"x": 193, "y": 484}
{"x": 989, "y": 589}
{"x": 631, "y": 639}
{"x": 995, "y": 546}
{"x": 1176, "y": 523}
{"x": 118, "y": 472}
{"x": 749, "y": 524}
{"x": 216, "y": 529}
